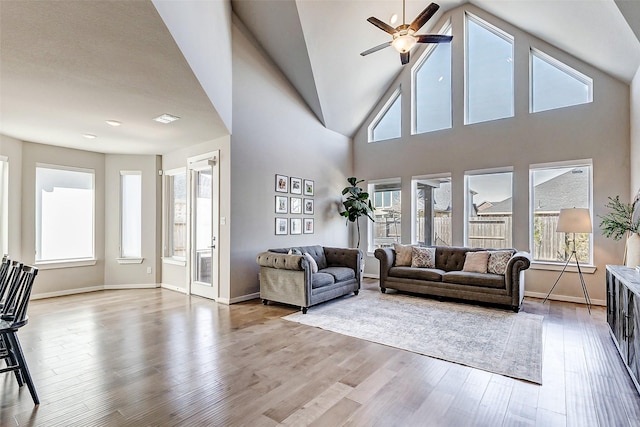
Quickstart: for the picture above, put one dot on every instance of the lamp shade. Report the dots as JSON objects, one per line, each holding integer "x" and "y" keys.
{"x": 574, "y": 220}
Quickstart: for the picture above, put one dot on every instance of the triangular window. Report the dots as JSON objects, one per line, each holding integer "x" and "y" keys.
{"x": 556, "y": 85}
{"x": 388, "y": 123}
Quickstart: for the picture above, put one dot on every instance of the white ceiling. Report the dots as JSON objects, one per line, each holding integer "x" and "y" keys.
{"x": 67, "y": 66}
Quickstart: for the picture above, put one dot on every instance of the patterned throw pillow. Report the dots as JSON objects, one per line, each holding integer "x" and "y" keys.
{"x": 312, "y": 262}
{"x": 403, "y": 254}
{"x": 476, "y": 262}
{"x": 498, "y": 261}
{"x": 423, "y": 257}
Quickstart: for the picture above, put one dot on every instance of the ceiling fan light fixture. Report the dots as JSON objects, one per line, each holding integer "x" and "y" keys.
{"x": 404, "y": 43}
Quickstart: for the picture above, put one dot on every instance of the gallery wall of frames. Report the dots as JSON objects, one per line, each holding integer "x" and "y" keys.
{"x": 294, "y": 198}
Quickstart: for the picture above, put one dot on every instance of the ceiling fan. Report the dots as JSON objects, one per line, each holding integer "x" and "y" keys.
{"x": 404, "y": 36}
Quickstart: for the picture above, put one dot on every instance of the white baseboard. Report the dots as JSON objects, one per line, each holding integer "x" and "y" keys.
{"x": 134, "y": 286}
{"x": 242, "y": 298}
{"x": 66, "y": 292}
{"x": 174, "y": 288}
{"x": 371, "y": 276}
{"x": 579, "y": 300}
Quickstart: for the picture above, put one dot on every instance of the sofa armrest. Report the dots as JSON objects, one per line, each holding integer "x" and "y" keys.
{"x": 387, "y": 257}
{"x": 282, "y": 261}
{"x": 514, "y": 275}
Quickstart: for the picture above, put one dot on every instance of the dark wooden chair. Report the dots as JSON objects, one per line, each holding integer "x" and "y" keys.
{"x": 13, "y": 316}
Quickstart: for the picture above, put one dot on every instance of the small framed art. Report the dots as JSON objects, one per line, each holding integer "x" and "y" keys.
{"x": 308, "y": 187}
{"x": 308, "y": 206}
{"x": 296, "y": 225}
{"x": 282, "y": 204}
{"x": 282, "y": 183}
{"x": 282, "y": 226}
{"x": 296, "y": 185}
{"x": 308, "y": 226}
{"x": 295, "y": 205}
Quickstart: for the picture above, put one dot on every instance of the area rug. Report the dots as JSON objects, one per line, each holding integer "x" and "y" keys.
{"x": 491, "y": 339}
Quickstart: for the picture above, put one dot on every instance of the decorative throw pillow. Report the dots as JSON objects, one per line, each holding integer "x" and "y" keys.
{"x": 423, "y": 257}
{"x": 403, "y": 254}
{"x": 312, "y": 262}
{"x": 498, "y": 261}
{"x": 294, "y": 251}
{"x": 476, "y": 262}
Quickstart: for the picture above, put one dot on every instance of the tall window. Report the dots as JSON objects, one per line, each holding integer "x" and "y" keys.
{"x": 386, "y": 230}
{"x": 432, "y": 88}
{"x": 130, "y": 214}
{"x": 388, "y": 123}
{"x": 556, "y": 85}
{"x": 489, "y": 74}
{"x": 489, "y": 209}
{"x": 176, "y": 231}
{"x": 4, "y": 206}
{"x": 432, "y": 210}
{"x": 554, "y": 187}
{"x": 64, "y": 213}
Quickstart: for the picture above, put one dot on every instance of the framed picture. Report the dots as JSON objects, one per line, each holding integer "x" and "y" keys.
{"x": 282, "y": 183}
{"x": 296, "y": 225}
{"x": 282, "y": 204}
{"x": 295, "y": 205}
{"x": 308, "y": 206}
{"x": 308, "y": 226}
{"x": 296, "y": 185}
{"x": 282, "y": 225}
{"x": 308, "y": 187}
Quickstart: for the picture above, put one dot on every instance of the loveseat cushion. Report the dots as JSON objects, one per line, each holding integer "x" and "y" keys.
{"x": 340, "y": 274}
{"x": 483, "y": 280}
{"x": 319, "y": 280}
{"x": 432, "y": 274}
{"x": 316, "y": 251}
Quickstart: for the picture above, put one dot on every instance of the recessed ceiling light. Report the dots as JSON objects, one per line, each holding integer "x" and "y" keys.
{"x": 89, "y": 136}
{"x": 166, "y": 118}
{"x": 113, "y": 123}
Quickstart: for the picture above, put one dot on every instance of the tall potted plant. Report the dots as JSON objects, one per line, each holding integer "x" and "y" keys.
{"x": 622, "y": 221}
{"x": 357, "y": 204}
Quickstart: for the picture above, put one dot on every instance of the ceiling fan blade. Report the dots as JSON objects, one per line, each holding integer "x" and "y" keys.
{"x": 433, "y": 38}
{"x": 424, "y": 16}
{"x": 382, "y": 25}
{"x": 404, "y": 58}
{"x": 376, "y": 48}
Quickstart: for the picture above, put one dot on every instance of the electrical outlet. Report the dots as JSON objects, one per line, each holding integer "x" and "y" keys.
{"x": 148, "y": 270}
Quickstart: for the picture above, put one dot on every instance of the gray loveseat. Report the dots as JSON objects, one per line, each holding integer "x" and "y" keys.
{"x": 289, "y": 278}
{"x": 448, "y": 280}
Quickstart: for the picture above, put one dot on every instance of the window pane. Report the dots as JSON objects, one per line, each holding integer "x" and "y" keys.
{"x": 489, "y": 74}
{"x": 555, "y": 189}
{"x": 489, "y": 200}
{"x": 131, "y": 205}
{"x": 433, "y": 211}
{"x": 177, "y": 215}
{"x": 433, "y": 90}
{"x": 554, "y": 87}
{"x": 389, "y": 125}
{"x": 386, "y": 230}
{"x": 64, "y": 214}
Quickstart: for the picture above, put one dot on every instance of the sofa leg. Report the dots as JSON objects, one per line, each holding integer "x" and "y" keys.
{"x": 383, "y": 290}
{"x": 515, "y": 308}
{"x": 356, "y": 292}
{"x": 265, "y": 302}
{"x": 304, "y": 310}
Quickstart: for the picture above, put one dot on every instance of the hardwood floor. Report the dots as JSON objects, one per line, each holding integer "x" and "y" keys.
{"x": 157, "y": 357}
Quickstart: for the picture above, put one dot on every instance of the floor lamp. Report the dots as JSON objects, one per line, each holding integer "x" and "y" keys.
{"x": 574, "y": 220}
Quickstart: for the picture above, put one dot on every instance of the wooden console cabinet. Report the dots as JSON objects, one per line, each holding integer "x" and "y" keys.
{"x": 623, "y": 315}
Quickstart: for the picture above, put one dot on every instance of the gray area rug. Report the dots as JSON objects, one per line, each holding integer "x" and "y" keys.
{"x": 491, "y": 339}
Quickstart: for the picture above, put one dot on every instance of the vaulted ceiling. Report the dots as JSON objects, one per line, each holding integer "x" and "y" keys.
{"x": 67, "y": 66}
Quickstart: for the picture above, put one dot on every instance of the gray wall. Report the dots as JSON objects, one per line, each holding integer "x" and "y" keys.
{"x": 635, "y": 135}
{"x": 12, "y": 149}
{"x": 599, "y": 130}
{"x": 276, "y": 133}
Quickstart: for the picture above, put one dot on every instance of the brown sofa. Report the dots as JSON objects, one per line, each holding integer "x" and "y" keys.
{"x": 448, "y": 280}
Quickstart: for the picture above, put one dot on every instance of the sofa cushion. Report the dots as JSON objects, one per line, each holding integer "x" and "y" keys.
{"x": 498, "y": 261}
{"x": 312, "y": 262}
{"x": 316, "y": 251}
{"x": 483, "y": 280}
{"x": 340, "y": 274}
{"x": 423, "y": 257}
{"x": 476, "y": 262}
{"x": 450, "y": 258}
{"x": 319, "y": 280}
{"x": 432, "y": 274}
{"x": 403, "y": 254}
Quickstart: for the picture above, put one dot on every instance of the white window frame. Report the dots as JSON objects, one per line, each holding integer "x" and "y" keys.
{"x": 383, "y": 111}
{"x": 583, "y": 78}
{"x": 414, "y": 190}
{"x": 4, "y": 205}
{"x": 588, "y": 268}
{"x": 129, "y": 259}
{"x": 371, "y": 185}
{"x": 68, "y": 263}
{"x": 167, "y": 215}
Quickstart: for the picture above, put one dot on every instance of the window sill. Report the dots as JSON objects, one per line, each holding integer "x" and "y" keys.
{"x": 129, "y": 260}
{"x": 174, "y": 261}
{"x": 69, "y": 263}
{"x": 556, "y": 266}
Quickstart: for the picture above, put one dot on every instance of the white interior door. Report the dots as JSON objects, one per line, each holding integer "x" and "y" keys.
{"x": 204, "y": 259}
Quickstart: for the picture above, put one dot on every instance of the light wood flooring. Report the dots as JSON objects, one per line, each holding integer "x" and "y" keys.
{"x": 157, "y": 357}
